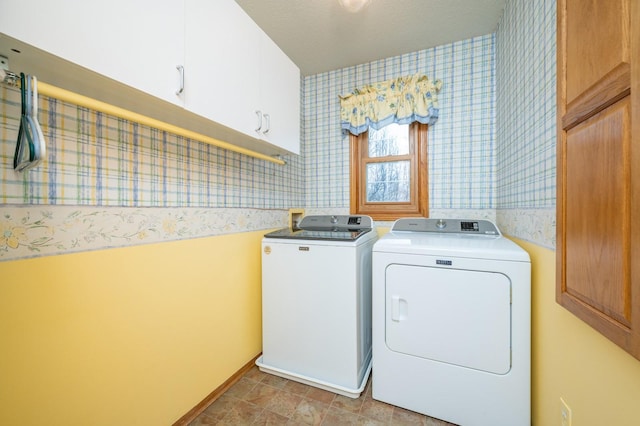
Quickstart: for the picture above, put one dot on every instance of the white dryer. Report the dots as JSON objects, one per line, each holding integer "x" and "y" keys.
{"x": 452, "y": 322}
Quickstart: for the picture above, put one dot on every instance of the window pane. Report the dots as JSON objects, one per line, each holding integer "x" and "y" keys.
{"x": 388, "y": 182}
{"x": 390, "y": 140}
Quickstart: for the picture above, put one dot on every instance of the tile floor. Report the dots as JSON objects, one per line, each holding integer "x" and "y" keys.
{"x": 263, "y": 399}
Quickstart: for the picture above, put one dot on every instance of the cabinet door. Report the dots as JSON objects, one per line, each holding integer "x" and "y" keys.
{"x": 138, "y": 43}
{"x": 598, "y": 162}
{"x": 237, "y": 76}
{"x": 280, "y": 97}
{"x": 222, "y": 64}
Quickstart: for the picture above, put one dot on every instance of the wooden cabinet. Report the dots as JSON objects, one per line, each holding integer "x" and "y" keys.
{"x": 237, "y": 75}
{"x": 138, "y": 43}
{"x": 598, "y": 203}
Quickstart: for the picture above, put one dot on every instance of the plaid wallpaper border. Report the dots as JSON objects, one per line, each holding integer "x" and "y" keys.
{"x": 461, "y": 143}
{"x": 96, "y": 159}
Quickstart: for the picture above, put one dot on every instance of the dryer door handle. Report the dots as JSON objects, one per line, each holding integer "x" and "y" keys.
{"x": 399, "y": 308}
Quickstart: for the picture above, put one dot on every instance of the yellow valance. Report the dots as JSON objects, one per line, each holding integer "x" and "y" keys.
{"x": 400, "y": 100}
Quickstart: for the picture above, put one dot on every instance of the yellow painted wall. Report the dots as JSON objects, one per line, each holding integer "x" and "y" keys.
{"x": 599, "y": 381}
{"x": 128, "y": 336}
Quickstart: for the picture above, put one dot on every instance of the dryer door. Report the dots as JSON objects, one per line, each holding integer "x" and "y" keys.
{"x": 454, "y": 316}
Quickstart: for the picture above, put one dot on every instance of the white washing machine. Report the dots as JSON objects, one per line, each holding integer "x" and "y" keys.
{"x": 452, "y": 322}
{"x": 316, "y": 302}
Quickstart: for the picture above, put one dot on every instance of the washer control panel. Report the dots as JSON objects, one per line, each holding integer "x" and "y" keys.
{"x": 336, "y": 222}
{"x": 448, "y": 226}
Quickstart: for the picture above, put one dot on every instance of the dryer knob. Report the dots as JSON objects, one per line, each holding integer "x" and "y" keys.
{"x": 441, "y": 224}
{"x": 334, "y": 219}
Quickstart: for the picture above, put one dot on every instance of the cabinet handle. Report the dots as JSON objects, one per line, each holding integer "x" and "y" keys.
{"x": 180, "y": 69}
{"x": 267, "y": 119}
{"x": 259, "y": 114}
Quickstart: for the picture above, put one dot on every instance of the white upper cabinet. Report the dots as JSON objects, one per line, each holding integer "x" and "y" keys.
{"x": 139, "y": 43}
{"x": 279, "y": 97}
{"x": 231, "y": 72}
{"x": 220, "y": 63}
{"x": 236, "y": 75}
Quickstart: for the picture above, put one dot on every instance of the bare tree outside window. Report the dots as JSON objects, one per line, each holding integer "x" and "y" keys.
{"x": 392, "y": 139}
{"x": 389, "y": 181}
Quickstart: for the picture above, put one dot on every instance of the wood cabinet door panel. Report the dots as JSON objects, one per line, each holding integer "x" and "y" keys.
{"x": 591, "y": 53}
{"x": 598, "y": 174}
{"x": 597, "y": 212}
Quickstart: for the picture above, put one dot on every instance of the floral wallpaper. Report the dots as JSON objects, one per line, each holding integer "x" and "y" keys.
{"x": 32, "y": 231}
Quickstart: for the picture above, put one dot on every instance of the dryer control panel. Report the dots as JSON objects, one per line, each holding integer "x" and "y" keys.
{"x": 446, "y": 226}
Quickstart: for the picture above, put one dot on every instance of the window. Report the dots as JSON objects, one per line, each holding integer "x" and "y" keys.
{"x": 389, "y": 172}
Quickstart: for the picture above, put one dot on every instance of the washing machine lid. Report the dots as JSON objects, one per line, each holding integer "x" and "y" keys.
{"x": 478, "y": 239}
{"x": 328, "y": 228}
{"x": 302, "y": 234}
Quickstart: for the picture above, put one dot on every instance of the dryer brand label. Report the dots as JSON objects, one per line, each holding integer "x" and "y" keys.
{"x": 303, "y": 248}
{"x": 444, "y": 262}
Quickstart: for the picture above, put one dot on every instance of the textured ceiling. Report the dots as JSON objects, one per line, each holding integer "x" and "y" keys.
{"x": 319, "y": 35}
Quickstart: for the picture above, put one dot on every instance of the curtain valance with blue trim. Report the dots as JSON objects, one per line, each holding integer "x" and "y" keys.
{"x": 401, "y": 100}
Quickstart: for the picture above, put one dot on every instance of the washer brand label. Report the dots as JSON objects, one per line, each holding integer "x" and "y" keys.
{"x": 303, "y": 248}
{"x": 267, "y": 249}
{"x": 444, "y": 262}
